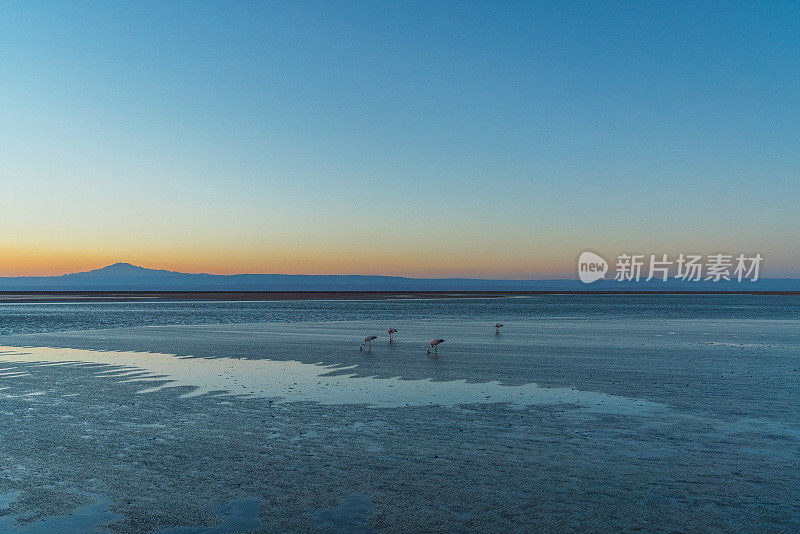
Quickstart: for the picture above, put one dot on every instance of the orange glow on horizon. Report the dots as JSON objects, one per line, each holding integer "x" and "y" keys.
{"x": 36, "y": 262}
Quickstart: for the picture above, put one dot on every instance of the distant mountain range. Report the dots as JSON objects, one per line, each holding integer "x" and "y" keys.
{"x": 127, "y": 277}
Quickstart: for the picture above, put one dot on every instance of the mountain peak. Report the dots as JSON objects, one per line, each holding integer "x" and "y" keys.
{"x": 120, "y": 268}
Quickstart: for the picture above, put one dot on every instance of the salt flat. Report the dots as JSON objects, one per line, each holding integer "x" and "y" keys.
{"x": 559, "y": 422}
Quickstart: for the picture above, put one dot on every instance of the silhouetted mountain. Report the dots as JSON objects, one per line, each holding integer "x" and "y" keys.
{"x": 123, "y": 269}
{"x": 127, "y": 277}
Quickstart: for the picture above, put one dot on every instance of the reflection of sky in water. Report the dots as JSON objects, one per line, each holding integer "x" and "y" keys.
{"x": 292, "y": 381}
{"x": 88, "y": 518}
{"x": 234, "y": 516}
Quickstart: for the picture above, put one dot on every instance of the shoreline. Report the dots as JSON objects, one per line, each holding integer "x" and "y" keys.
{"x": 236, "y": 296}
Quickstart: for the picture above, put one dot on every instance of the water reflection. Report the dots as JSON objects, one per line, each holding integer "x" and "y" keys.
{"x": 292, "y": 381}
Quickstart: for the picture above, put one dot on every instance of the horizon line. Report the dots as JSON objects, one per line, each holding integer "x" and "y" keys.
{"x": 446, "y": 277}
{"x": 565, "y": 277}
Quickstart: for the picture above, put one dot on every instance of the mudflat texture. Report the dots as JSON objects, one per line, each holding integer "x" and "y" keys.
{"x": 653, "y": 415}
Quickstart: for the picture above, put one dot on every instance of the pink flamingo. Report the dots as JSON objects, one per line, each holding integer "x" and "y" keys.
{"x": 497, "y": 327}
{"x": 434, "y": 345}
{"x": 391, "y": 331}
{"x": 368, "y": 340}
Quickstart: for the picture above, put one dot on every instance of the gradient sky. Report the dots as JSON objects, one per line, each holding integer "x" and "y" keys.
{"x": 425, "y": 139}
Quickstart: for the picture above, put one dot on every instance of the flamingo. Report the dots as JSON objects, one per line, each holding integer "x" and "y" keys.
{"x": 391, "y": 331}
{"x": 368, "y": 341}
{"x": 434, "y": 345}
{"x": 497, "y": 327}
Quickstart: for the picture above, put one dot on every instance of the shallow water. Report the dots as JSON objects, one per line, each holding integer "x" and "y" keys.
{"x": 292, "y": 381}
{"x": 607, "y": 413}
{"x": 87, "y": 518}
{"x": 18, "y": 318}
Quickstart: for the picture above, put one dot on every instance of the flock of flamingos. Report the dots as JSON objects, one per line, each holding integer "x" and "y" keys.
{"x": 433, "y": 345}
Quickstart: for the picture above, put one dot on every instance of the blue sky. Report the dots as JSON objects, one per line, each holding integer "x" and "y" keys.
{"x": 426, "y": 139}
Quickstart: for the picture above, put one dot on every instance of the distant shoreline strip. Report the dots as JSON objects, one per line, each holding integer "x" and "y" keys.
{"x": 103, "y": 296}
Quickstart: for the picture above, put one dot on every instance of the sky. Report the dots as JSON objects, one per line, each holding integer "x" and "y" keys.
{"x": 480, "y": 139}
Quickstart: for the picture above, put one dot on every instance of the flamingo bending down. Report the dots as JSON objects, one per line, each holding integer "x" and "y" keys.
{"x": 497, "y": 327}
{"x": 391, "y": 331}
{"x": 368, "y": 341}
{"x": 434, "y": 345}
